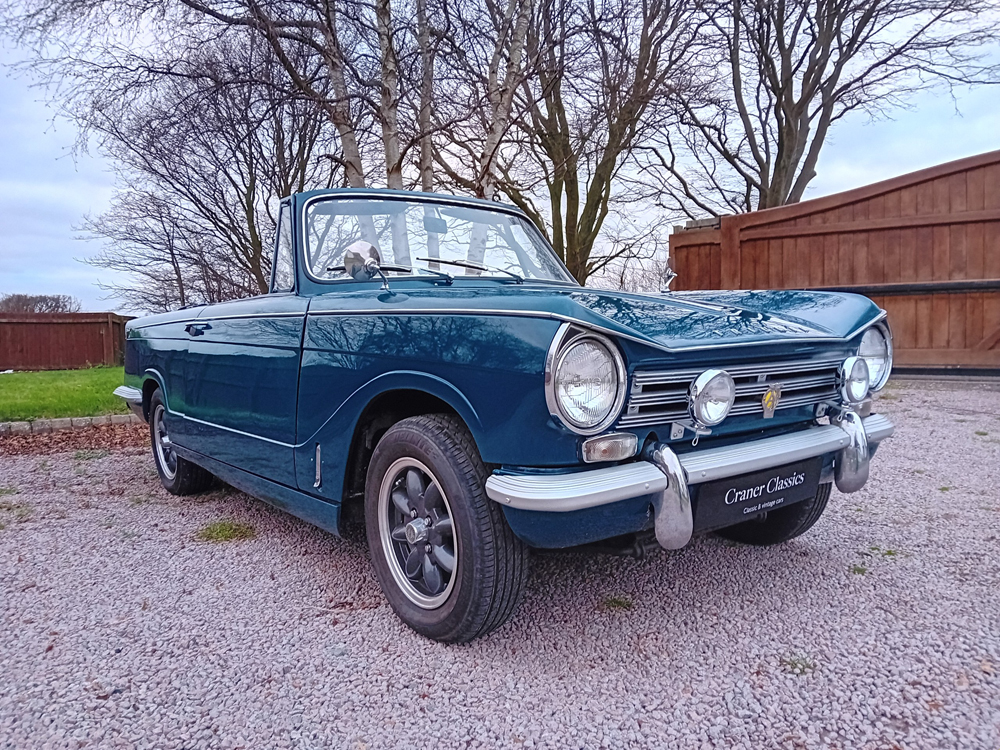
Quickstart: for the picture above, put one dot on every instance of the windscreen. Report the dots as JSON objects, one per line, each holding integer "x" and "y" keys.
{"x": 417, "y": 237}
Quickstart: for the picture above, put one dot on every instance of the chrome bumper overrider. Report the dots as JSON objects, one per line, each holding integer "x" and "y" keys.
{"x": 668, "y": 475}
{"x": 132, "y": 396}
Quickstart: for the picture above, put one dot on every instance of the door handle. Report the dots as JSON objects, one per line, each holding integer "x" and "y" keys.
{"x": 197, "y": 329}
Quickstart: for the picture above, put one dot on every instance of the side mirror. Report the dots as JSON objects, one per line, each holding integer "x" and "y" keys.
{"x": 668, "y": 278}
{"x": 358, "y": 266}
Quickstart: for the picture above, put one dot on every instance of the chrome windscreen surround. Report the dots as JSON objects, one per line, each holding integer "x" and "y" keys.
{"x": 566, "y": 336}
{"x": 662, "y": 397}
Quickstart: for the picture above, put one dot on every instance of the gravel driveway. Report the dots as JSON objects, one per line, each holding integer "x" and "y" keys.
{"x": 879, "y": 629}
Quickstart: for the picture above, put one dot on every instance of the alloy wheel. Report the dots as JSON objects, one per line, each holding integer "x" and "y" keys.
{"x": 161, "y": 443}
{"x": 418, "y": 534}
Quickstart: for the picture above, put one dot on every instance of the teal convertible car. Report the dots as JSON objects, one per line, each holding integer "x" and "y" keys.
{"x": 428, "y": 362}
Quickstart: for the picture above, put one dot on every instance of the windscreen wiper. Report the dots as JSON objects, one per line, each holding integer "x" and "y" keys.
{"x": 476, "y": 266}
{"x": 446, "y": 277}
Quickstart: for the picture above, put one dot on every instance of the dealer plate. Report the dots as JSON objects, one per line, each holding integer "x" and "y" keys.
{"x": 730, "y": 501}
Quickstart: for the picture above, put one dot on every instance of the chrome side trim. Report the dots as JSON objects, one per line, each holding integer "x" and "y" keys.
{"x": 601, "y": 329}
{"x": 235, "y": 431}
{"x": 245, "y": 316}
{"x": 562, "y": 493}
{"x": 587, "y": 489}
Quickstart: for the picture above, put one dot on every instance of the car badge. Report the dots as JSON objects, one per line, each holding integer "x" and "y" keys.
{"x": 770, "y": 400}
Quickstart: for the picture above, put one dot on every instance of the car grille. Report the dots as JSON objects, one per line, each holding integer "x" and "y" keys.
{"x": 661, "y": 397}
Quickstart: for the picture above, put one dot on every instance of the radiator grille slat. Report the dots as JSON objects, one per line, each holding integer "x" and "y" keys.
{"x": 662, "y": 397}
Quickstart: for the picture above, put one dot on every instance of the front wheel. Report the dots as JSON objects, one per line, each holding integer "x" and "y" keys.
{"x": 177, "y": 475}
{"x": 777, "y": 526}
{"x": 443, "y": 553}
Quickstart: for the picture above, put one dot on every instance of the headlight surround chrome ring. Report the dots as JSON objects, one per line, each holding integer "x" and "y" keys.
{"x": 876, "y": 350}
{"x": 711, "y": 397}
{"x": 853, "y": 380}
{"x": 566, "y": 339}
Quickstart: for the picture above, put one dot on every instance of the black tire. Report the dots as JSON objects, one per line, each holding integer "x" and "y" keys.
{"x": 177, "y": 475}
{"x": 425, "y": 470}
{"x": 779, "y": 526}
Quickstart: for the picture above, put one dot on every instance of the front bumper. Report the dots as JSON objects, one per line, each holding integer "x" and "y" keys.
{"x": 667, "y": 477}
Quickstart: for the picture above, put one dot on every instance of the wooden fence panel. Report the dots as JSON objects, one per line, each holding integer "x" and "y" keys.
{"x": 61, "y": 341}
{"x": 925, "y": 246}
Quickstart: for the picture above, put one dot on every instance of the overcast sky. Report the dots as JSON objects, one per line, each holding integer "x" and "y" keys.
{"x": 45, "y": 191}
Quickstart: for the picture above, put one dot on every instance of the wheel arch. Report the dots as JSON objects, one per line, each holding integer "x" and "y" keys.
{"x": 389, "y": 399}
{"x": 151, "y": 381}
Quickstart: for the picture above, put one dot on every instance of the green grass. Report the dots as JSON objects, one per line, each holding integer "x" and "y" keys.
{"x": 90, "y": 454}
{"x": 612, "y": 603}
{"x": 60, "y": 393}
{"x": 225, "y": 531}
{"x": 798, "y": 665}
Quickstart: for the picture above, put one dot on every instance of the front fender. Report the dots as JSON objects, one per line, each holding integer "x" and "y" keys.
{"x": 334, "y": 435}
{"x": 400, "y": 380}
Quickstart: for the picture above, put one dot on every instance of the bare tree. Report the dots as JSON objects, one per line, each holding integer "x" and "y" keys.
{"x": 482, "y": 62}
{"x": 604, "y": 72}
{"x": 775, "y": 76}
{"x": 34, "y": 304}
{"x": 202, "y": 163}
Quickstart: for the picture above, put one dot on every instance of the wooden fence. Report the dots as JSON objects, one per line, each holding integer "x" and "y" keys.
{"x": 61, "y": 341}
{"x": 925, "y": 246}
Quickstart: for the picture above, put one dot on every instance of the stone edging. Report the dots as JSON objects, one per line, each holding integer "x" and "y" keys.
{"x": 43, "y": 426}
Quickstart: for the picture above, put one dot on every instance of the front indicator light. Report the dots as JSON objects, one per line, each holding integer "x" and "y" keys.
{"x": 616, "y": 446}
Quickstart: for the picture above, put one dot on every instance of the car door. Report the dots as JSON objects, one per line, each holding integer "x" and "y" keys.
{"x": 159, "y": 349}
{"x": 242, "y": 374}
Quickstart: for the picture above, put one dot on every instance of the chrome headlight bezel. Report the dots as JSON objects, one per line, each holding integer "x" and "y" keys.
{"x": 696, "y": 395}
{"x": 850, "y": 373}
{"x": 882, "y": 327}
{"x": 565, "y": 339}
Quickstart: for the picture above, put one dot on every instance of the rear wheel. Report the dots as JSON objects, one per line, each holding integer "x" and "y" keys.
{"x": 443, "y": 553}
{"x": 177, "y": 475}
{"x": 777, "y": 526}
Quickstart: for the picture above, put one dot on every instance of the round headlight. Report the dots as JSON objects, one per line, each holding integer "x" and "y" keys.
{"x": 876, "y": 350}
{"x": 854, "y": 380}
{"x": 711, "y": 397}
{"x": 588, "y": 381}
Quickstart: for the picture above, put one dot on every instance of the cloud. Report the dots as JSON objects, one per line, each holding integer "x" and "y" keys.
{"x": 933, "y": 130}
{"x": 45, "y": 191}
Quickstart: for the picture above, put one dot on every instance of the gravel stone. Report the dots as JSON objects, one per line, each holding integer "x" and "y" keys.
{"x": 121, "y": 630}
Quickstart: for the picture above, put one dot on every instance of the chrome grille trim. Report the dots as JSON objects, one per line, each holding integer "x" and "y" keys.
{"x": 662, "y": 397}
